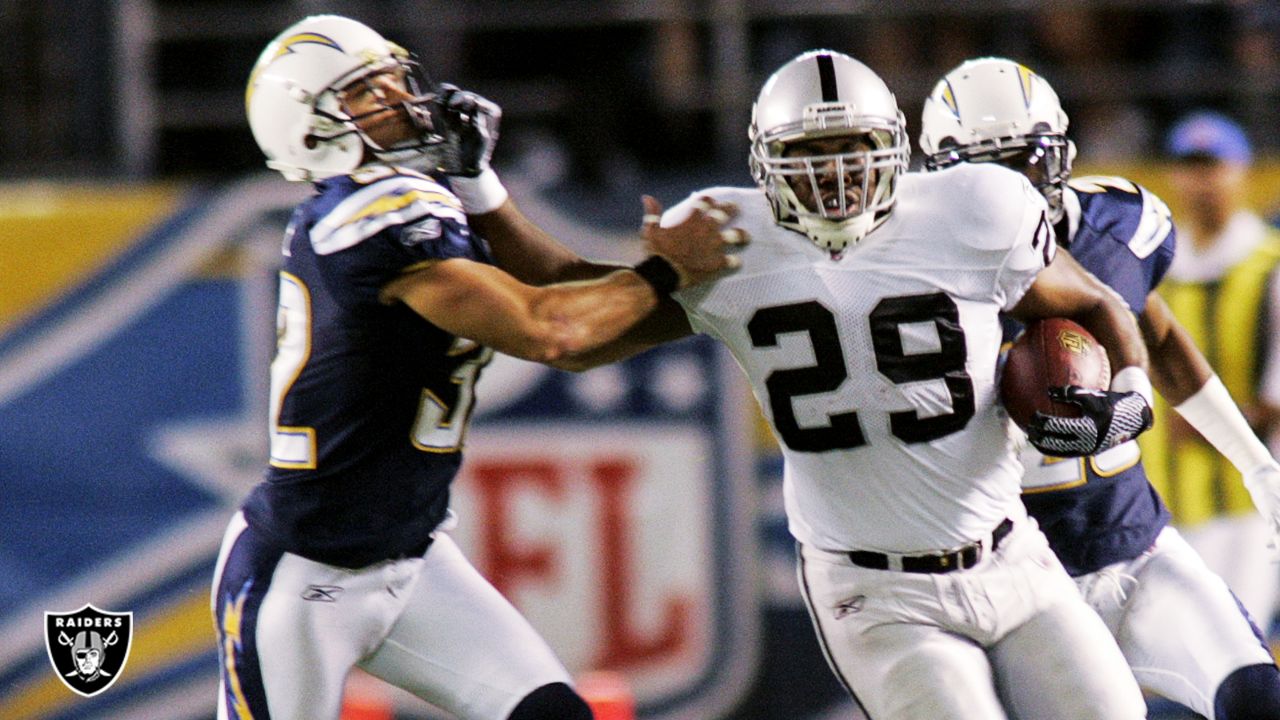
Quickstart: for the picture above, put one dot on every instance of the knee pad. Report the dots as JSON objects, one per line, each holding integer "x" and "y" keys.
{"x": 556, "y": 701}
{"x": 1250, "y": 693}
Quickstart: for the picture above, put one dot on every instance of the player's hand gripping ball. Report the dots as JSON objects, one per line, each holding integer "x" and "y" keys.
{"x": 1052, "y": 353}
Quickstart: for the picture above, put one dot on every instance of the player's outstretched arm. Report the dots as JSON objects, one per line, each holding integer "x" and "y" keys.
{"x": 1178, "y": 368}
{"x": 1064, "y": 289}
{"x": 1183, "y": 375}
{"x": 556, "y": 323}
{"x": 668, "y": 321}
{"x": 529, "y": 253}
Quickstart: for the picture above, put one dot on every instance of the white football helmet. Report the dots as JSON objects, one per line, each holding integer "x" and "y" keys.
{"x": 996, "y": 110}
{"x": 294, "y": 110}
{"x": 826, "y": 94}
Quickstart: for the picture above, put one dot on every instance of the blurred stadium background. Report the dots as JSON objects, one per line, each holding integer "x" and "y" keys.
{"x": 634, "y": 512}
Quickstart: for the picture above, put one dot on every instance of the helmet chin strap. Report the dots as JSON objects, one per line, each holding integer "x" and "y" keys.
{"x": 418, "y": 158}
{"x": 830, "y": 235}
{"x": 417, "y": 153}
{"x": 837, "y": 235}
{"x": 1057, "y": 209}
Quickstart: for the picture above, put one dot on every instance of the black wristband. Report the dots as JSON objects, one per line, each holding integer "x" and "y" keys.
{"x": 659, "y": 273}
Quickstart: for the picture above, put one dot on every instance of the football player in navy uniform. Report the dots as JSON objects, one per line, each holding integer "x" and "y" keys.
{"x": 1180, "y": 628}
{"x": 390, "y": 305}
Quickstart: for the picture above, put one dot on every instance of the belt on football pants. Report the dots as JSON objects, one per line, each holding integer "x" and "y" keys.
{"x": 962, "y": 557}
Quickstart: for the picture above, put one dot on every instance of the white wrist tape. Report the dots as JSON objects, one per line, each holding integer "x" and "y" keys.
{"x": 1213, "y": 413}
{"x": 480, "y": 194}
{"x": 1134, "y": 379}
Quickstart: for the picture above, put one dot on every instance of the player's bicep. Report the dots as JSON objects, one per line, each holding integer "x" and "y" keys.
{"x": 1062, "y": 289}
{"x": 527, "y": 251}
{"x": 465, "y": 298}
{"x": 1178, "y": 368}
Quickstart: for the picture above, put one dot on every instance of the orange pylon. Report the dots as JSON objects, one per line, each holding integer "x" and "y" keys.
{"x": 366, "y": 698}
{"x": 609, "y": 695}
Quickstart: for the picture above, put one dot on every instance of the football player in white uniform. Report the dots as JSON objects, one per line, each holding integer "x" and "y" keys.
{"x": 866, "y": 314}
{"x": 872, "y": 349}
{"x": 1180, "y": 628}
{"x": 390, "y": 306}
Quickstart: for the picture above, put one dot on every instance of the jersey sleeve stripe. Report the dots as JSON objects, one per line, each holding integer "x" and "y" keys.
{"x": 395, "y": 201}
{"x": 1155, "y": 226}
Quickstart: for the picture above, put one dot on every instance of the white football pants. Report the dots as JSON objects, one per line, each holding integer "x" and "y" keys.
{"x": 1008, "y": 638}
{"x": 1235, "y": 549}
{"x": 290, "y": 629}
{"x": 1176, "y": 622}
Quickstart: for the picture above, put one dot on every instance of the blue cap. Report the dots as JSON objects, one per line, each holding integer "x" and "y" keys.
{"x": 1209, "y": 134}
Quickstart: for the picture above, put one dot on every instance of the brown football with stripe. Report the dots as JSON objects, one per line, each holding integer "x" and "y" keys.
{"x": 1051, "y": 353}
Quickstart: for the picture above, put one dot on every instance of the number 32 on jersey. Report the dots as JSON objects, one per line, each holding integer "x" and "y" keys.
{"x": 442, "y": 413}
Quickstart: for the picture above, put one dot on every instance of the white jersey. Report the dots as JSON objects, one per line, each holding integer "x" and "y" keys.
{"x": 877, "y": 368}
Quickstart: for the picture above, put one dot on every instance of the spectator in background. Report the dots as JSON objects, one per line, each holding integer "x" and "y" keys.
{"x": 1221, "y": 287}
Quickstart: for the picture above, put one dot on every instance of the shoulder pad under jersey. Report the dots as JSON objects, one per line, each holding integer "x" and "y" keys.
{"x": 1127, "y": 210}
{"x": 396, "y": 199}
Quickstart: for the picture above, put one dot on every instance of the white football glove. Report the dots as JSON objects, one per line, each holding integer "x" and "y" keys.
{"x": 1263, "y": 483}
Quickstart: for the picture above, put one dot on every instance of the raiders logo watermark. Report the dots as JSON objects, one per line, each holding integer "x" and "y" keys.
{"x": 88, "y": 647}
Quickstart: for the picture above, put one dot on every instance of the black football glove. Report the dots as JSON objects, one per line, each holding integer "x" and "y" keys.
{"x": 469, "y": 124}
{"x": 1109, "y": 418}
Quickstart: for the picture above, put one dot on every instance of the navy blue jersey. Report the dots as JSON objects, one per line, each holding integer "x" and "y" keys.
{"x": 1100, "y": 510}
{"x": 369, "y": 401}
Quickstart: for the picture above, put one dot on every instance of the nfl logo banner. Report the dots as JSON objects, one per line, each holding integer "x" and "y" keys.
{"x": 609, "y": 507}
{"x": 88, "y": 648}
{"x": 613, "y": 507}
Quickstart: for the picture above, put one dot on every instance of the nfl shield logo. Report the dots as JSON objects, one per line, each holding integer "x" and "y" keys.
{"x": 88, "y": 647}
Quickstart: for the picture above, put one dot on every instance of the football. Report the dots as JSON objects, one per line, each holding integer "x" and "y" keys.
{"x": 1051, "y": 353}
